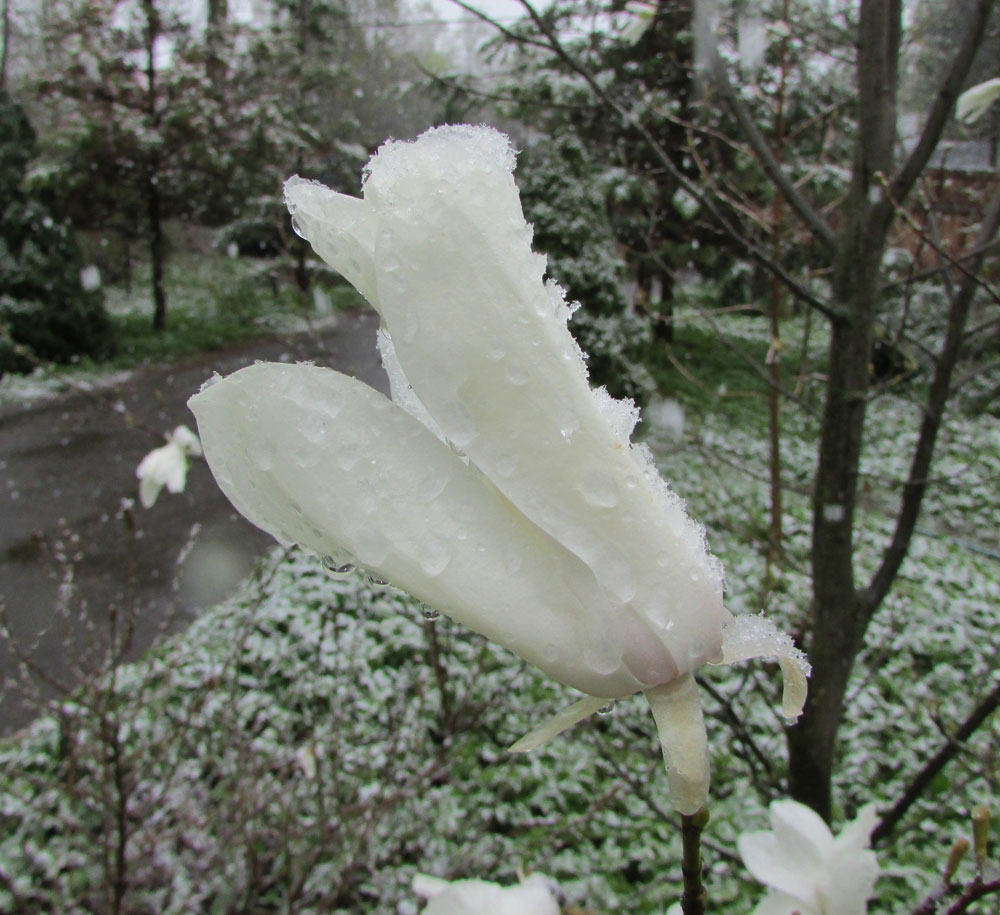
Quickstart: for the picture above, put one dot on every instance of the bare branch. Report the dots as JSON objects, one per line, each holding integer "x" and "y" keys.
{"x": 769, "y": 162}
{"x": 925, "y": 776}
{"x": 725, "y": 225}
{"x": 941, "y": 110}
{"x": 937, "y": 398}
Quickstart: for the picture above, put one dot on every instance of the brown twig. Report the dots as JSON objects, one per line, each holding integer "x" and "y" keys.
{"x": 695, "y": 897}
{"x": 940, "y": 759}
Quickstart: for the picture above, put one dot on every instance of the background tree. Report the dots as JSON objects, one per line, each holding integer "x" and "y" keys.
{"x": 844, "y": 223}
{"x": 45, "y": 310}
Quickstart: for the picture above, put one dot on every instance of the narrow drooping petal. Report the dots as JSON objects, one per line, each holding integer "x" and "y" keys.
{"x": 558, "y": 723}
{"x": 322, "y": 460}
{"x": 677, "y": 711}
{"x": 483, "y": 341}
{"x": 749, "y": 636}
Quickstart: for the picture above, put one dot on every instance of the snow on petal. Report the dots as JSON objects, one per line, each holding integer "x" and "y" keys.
{"x": 320, "y": 459}
{"x": 749, "y": 636}
{"x": 340, "y": 228}
{"x": 482, "y": 339}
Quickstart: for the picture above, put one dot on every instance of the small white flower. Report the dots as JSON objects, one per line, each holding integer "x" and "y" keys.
{"x": 809, "y": 870}
{"x": 167, "y": 466}
{"x": 533, "y": 896}
{"x": 975, "y": 102}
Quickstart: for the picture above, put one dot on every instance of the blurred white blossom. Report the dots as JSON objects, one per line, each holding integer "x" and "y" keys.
{"x": 532, "y": 896}
{"x": 90, "y": 278}
{"x": 975, "y": 102}
{"x": 641, "y": 13}
{"x": 167, "y": 466}
{"x": 808, "y": 869}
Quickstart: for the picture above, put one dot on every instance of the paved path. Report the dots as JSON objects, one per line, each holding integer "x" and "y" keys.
{"x": 65, "y": 466}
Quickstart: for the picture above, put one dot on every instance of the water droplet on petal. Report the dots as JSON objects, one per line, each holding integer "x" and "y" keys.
{"x": 297, "y": 228}
{"x": 430, "y": 614}
{"x": 606, "y": 709}
{"x": 339, "y": 563}
{"x": 599, "y": 490}
{"x": 377, "y": 581}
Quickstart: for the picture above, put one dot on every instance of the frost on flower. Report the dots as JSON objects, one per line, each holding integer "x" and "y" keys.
{"x": 808, "y": 870}
{"x": 167, "y": 466}
{"x": 495, "y": 485}
{"x": 532, "y": 896}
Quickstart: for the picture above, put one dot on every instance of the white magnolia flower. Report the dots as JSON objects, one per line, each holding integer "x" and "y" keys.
{"x": 167, "y": 466}
{"x": 532, "y": 896}
{"x": 809, "y": 871}
{"x": 975, "y": 102}
{"x": 495, "y": 486}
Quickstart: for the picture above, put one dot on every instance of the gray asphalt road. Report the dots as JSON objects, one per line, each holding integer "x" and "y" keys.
{"x": 72, "y": 563}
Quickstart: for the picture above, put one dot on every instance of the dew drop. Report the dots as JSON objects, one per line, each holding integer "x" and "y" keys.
{"x": 339, "y": 563}
{"x": 297, "y": 228}
{"x": 599, "y": 490}
{"x": 377, "y": 582}
{"x": 506, "y": 465}
{"x": 606, "y": 709}
{"x": 516, "y": 374}
{"x": 263, "y": 454}
{"x": 430, "y": 614}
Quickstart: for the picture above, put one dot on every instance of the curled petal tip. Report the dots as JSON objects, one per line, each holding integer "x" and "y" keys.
{"x": 750, "y": 636}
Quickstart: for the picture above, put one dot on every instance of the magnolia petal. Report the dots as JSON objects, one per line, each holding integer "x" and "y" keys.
{"x": 975, "y": 102}
{"x": 749, "y": 636}
{"x": 558, "y": 723}
{"x": 320, "y": 459}
{"x": 769, "y": 863}
{"x": 776, "y": 903}
{"x": 149, "y": 491}
{"x": 677, "y": 711}
{"x": 483, "y": 341}
{"x": 340, "y": 228}
{"x": 853, "y": 868}
{"x": 802, "y": 834}
{"x": 399, "y": 388}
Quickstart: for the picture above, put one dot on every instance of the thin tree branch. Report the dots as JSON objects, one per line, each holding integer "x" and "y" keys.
{"x": 937, "y": 398}
{"x": 925, "y": 776}
{"x": 941, "y": 110}
{"x": 752, "y": 250}
{"x": 768, "y": 161}
{"x": 694, "y": 899}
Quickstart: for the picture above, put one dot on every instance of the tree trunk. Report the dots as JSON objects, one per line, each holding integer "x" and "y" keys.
{"x": 154, "y": 216}
{"x": 839, "y": 622}
{"x": 156, "y": 249}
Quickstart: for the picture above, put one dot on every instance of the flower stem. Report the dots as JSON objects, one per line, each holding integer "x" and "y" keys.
{"x": 694, "y": 898}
